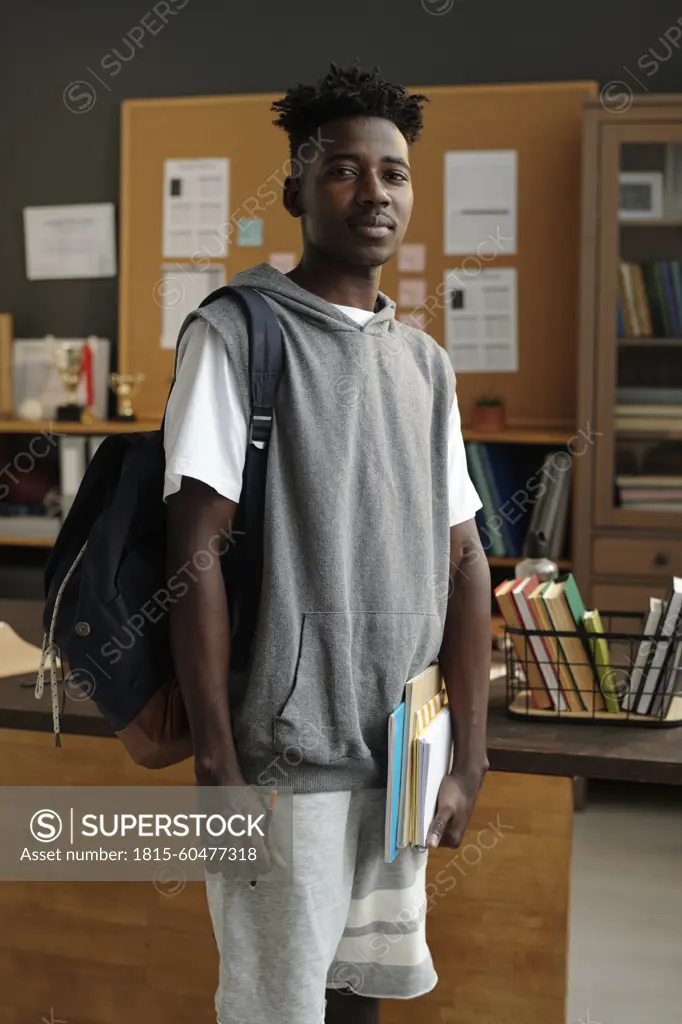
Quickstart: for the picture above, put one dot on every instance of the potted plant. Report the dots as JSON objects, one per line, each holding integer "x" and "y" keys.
{"x": 488, "y": 414}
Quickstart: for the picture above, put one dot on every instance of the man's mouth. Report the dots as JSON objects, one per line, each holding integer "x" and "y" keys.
{"x": 377, "y": 228}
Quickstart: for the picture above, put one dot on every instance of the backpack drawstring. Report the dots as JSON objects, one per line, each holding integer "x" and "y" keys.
{"x": 51, "y": 651}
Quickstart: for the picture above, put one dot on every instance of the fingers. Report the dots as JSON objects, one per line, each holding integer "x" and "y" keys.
{"x": 436, "y": 831}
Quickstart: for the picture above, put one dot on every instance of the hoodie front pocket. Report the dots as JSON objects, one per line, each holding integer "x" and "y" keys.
{"x": 350, "y": 674}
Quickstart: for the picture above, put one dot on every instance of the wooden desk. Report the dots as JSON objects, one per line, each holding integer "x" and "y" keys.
{"x": 498, "y": 915}
{"x": 97, "y": 952}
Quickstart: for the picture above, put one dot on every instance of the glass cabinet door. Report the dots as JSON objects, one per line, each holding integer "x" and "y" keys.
{"x": 639, "y": 350}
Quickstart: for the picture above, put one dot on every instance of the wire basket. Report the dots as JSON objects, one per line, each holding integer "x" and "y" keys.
{"x": 610, "y": 682}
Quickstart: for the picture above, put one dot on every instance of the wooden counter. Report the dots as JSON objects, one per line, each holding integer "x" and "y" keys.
{"x": 99, "y": 953}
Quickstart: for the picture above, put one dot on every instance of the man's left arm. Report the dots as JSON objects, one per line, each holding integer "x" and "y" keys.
{"x": 465, "y": 663}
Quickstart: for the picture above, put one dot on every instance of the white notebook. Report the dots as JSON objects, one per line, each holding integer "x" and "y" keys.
{"x": 434, "y": 757}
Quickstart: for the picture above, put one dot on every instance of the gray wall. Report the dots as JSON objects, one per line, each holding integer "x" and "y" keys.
{"x": 61, "y": 54}
{"x": 51, "y": 154}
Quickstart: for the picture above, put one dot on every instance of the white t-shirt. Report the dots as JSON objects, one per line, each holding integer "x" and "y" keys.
{"x": 207, "y": 424}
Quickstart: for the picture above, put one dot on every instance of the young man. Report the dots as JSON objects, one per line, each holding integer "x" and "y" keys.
{"x": 372, "y": 571}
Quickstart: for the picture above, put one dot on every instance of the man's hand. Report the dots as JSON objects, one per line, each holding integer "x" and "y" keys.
{"x": 245, "y": 801}
{"x": 456, "y": 801}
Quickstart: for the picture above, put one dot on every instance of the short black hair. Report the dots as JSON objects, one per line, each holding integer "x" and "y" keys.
{"x": 347, "y": 92}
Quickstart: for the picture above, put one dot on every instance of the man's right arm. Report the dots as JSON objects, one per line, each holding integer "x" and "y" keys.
{"x": 199, "y": 521}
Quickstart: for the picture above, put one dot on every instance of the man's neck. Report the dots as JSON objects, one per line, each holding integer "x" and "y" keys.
{"x": 335, "y": 282}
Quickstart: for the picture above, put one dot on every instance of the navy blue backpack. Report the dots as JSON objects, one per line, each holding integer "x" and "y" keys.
{"x": 109, "y": 562}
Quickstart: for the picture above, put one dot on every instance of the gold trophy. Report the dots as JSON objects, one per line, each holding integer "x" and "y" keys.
{"x": 68, "y": 358}
{"x": 126, "y": 386}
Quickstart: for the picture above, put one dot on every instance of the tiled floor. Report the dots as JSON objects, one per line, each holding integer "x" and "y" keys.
{"x": 625, "y": 963}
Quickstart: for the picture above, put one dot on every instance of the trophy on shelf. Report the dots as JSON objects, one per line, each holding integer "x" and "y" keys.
{"x": 68, "y": 358}
{"x": 125, "y": 386}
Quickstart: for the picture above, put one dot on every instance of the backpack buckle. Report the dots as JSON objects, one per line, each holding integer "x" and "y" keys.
{"x": 259, "y": 429}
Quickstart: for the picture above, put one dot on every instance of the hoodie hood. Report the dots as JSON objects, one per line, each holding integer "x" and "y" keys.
{"x": 281, "y": 289}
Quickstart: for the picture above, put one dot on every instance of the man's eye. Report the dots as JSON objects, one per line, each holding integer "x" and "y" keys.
{"x": 342, "y": 172}
{"x": 397, "y": 176}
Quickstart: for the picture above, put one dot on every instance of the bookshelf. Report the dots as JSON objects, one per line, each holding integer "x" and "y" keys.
{"x": 516, "y": 436}
{"x": 26, "y": 430}
{"x": 630, "y": 367}
{"x": 520, "y": 435}
{"x": 55, "y": 427}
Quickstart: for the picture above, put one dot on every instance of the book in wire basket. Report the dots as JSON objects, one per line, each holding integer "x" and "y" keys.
{"x": 630, "y": 675}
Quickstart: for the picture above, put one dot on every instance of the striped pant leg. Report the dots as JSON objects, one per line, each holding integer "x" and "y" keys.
{"x": 383, "y": 951}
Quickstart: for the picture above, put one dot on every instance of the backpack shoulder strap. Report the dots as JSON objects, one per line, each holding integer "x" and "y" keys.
{"x": 265, "y": 357}
{"x": 265, "y": 370}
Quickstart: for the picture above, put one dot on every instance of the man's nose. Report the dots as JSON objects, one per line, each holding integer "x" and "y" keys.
{"x": 371, "y": 191}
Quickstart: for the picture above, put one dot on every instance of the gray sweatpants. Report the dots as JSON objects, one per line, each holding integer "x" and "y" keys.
{"x": 346, "y": 920}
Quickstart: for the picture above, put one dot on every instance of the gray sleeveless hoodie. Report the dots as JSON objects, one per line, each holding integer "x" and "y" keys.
{"x": 356, "y": 547}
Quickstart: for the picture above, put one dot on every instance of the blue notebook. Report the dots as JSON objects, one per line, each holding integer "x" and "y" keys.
{"x": 396, "y": 726}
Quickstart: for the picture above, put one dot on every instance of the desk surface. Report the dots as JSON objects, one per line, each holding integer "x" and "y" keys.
{"x": 628, "y": 753}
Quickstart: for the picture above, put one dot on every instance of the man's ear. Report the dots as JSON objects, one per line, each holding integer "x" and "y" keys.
{"x": 292, "y": 196}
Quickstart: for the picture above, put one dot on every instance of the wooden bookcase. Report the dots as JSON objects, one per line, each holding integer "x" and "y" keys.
{"x": 513, "y": 436}
{"x": 624, "y": 554}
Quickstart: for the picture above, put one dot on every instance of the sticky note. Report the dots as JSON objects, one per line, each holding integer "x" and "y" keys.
{"x": 417, "y": 320}
{"x": 283, "y": 261}
{"x": 412, "y": 259}
{"x": 411, "y": 291}
{"x": 250, "y": 232}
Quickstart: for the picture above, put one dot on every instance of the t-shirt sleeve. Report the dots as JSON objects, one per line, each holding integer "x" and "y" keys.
{"x": 206, "y": 425}
{"x": 463, "y": 499}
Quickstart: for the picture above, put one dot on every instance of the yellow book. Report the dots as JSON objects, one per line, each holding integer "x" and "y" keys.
{"x": 602, "y": 659}
{"x": 418, "y": 692}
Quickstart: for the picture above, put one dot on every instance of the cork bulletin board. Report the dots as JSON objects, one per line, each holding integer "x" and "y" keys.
{"x": 543, "y": 123}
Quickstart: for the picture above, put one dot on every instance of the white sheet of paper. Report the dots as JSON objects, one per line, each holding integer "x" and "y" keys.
{"x": 180, "y": 290}
{"x": 77, "y": 240}
{"x": 412, "y": 258}
{"x": 283, "y": 261}
{"x": 480, "y": 202}
{"x": 417, "y": 320}
{"x": 195, "y": 204}
{"x": 411, "y": 291}
{"x": 481, "y": 332}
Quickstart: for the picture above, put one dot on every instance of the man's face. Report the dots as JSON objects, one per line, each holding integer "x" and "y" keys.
{"x": 355, "y": 198}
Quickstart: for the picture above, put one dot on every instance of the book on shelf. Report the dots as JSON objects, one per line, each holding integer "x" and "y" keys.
{"x": 654, "y": 410}
{"x": 504, "y": 522}
{"x": 635, "y": 480}
{"x": 649, "y": 301}
{"x": 29, "y": 527}
{"x": 648, "y": 396}
{"x": 550, "y": 512}
{"x": 650, "y": 493}
{"x": 649, "y": 424}
{"x": 488, "y": 514}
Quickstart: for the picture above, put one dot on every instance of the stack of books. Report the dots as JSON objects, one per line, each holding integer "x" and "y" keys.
{"x": 644, "y": 419}
{"x": 565, "y": 657}
{"x": 650, "y": 299}
{"x": 419, "y": 757}
{"x": 650, "y": 493}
